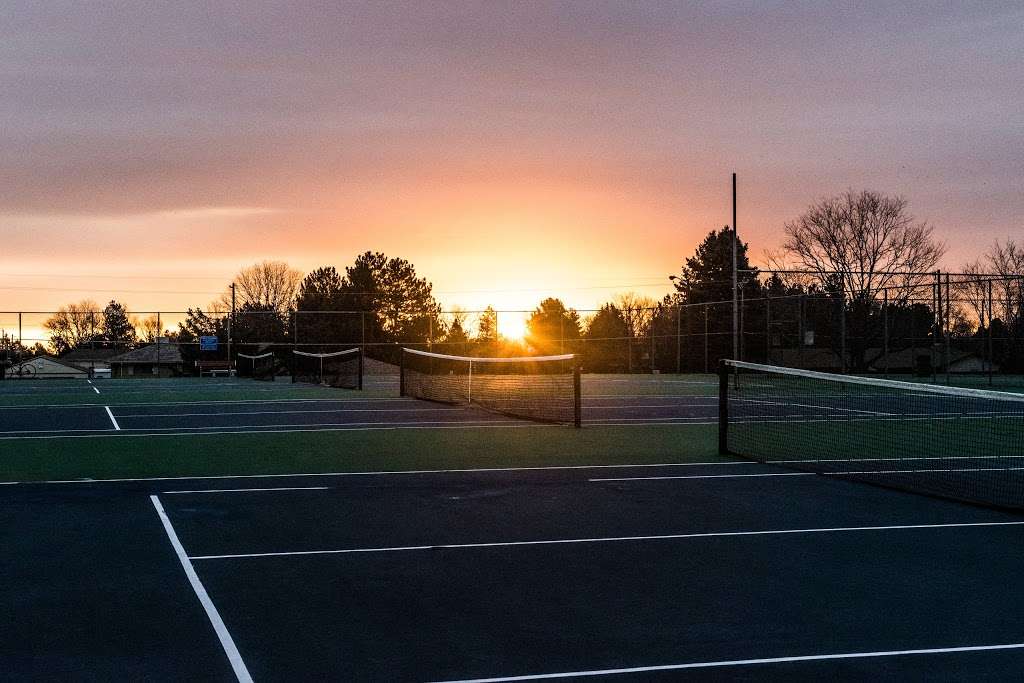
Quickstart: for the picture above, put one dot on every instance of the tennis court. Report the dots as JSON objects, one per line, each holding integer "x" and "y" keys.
{"x": 230, "y": 529}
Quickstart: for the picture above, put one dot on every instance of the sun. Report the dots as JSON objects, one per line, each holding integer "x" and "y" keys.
{"x": 512, "y": 326}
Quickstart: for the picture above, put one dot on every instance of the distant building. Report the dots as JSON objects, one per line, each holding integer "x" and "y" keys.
{"x": 926, "y": 357}
{"x": 45, "y": 367}
{"x": 95, "y": 360}
{"x": 162, "y": 359}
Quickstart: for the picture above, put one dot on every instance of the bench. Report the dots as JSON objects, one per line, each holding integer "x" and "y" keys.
{"x": 214, "y": 368}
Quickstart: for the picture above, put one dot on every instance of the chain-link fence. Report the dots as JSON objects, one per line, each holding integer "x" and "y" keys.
{"x": 953, "y": 325}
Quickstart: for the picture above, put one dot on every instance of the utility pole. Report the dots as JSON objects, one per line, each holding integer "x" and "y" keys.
{"x": 231, "y": 320}
{"x": 735, "y": 279}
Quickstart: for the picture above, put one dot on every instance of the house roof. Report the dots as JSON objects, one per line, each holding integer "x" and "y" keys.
{"x": 167, "y": 352}
{"x": 51, "y": 359}
{"x": 89, "y": 355}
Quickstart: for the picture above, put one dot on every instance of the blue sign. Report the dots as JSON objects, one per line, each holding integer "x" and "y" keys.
{"x": 207, "y": 343}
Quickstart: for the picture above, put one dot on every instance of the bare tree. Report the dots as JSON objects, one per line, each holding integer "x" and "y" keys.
{"x": 268, "y": 286}
{"x": 972, "y": 288}
{"x": 147, "y": 329}
{"x": 1007, "y": 260}
{"x": 864, "y": 242}
{"x": 73, "y": 324}
{"x": 637, "y": 310}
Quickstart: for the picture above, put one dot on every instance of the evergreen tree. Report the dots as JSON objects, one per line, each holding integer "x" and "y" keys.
{"x": 116, "y": 326}
{"x": 552, "y": 328}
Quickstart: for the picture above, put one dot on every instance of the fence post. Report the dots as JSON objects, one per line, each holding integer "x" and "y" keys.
{"x": 679, "y": 359}
{"x": 577, "y": 395}
{"x": 768, "y": 330}
{"x": 885, "y": 330}
{"x": 707, "y": 367}
{"x": 991, "y": 348}
{"x": 650, "y": 331}
{"x": 723, "y": 408}
{"x": 842, "y": 328}
{"x": 800, "y": 331}
{"x": 946, "y": 331}
{"x": 159, "y": 333}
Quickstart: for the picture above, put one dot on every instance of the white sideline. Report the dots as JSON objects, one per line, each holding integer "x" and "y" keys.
{"x": 744, "y": 662}
{"x": 279, "y": 488}
{"x": 707, "y": 476}
{"x": 609, "y": 539}
{"x": 117, "y": 427}
{"x": 385, "y": 472}
{"x": 241, "y": 672}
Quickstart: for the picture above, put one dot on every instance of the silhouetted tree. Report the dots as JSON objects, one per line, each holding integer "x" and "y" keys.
{"x": 607, "y": 341}
{"x": 72, "y": 325}
{"x": 487, "y": 328}
{"x": 552, "y": 328}
{"x": 117, "y": 328}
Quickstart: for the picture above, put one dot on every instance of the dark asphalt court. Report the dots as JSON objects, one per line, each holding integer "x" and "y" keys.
{"x": 548, "y": 571}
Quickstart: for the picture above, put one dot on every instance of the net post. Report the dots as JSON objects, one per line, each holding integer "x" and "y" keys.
{"x": 577, "y": 395}
{"x": 723, "y": 408}
{"x": 401, "y": 374}
{"x": 360, "y": 384}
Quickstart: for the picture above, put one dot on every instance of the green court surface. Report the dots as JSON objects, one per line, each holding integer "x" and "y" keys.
{"x": 353, "y": 451}
{"x": 53, "y": 448}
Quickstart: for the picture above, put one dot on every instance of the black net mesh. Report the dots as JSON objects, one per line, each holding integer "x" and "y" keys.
{"x": 261, "y": 367}
{"x": 340, "y": 369}
{"x": 543, "y": 389}
{"x": 965, "y": 444}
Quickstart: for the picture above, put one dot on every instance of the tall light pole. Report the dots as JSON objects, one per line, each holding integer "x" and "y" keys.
{"x": 735, "y": 280}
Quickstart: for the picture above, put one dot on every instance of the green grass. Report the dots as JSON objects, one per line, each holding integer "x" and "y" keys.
{"x": 353, "y": 451}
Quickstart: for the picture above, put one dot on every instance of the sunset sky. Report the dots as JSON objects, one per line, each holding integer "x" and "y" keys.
{"x": 509, "y": 150}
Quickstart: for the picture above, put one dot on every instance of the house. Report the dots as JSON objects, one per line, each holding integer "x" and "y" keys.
{"x": 928, "y": 358}
{"x": 162, "y": 359}
{"x": 45, "y": 367}
{"x": 95, "y": 360}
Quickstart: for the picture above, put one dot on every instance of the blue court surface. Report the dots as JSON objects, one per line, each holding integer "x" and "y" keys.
{"x": 680, "y": 569}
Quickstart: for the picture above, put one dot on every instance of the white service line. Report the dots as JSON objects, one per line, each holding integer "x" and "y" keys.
{"x": 230, "y": 413}
{"x": 377, "y": 473}
{"x": 117, "y": 427}
{"x": 241, "y": 672}
{"x": 744, "y": 662}
{"x": 93, "y": 388}
{"x": 280, "y": 488}
{"x": 811, "y": 405}
{"x": 708, "y": 476}
{"x": 609, "y": 539}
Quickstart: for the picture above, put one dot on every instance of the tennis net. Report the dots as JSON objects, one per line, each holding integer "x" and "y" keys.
{"x": 339, "y": 369}
{"x": 539, "y": 388}
{"x": 261, "y": 367}
{"x": 963, "y": 444}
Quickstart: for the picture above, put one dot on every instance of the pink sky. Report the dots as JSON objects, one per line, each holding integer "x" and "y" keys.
{"x": 510, "y": 151}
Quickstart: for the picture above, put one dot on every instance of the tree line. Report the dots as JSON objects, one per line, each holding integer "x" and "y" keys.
{"x": 858, "y": 265}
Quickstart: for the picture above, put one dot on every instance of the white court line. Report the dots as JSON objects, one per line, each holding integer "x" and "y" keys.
{"x": 710, "y": 476}
{"x": 211, "y": 403}
{"x": 93, "y": 388}
{"x": 609, "y": 539}
{"x": 277, "y": 429}
{"x": 117, "y": 427}
{"x": 385, "y": 472}
{"x": 301, "y": 412}
{"x": 808, "y": 405}
{"x": 280, "y": 488}
{"x": 744, "y": 662}
{"x": 241, "y": 672}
